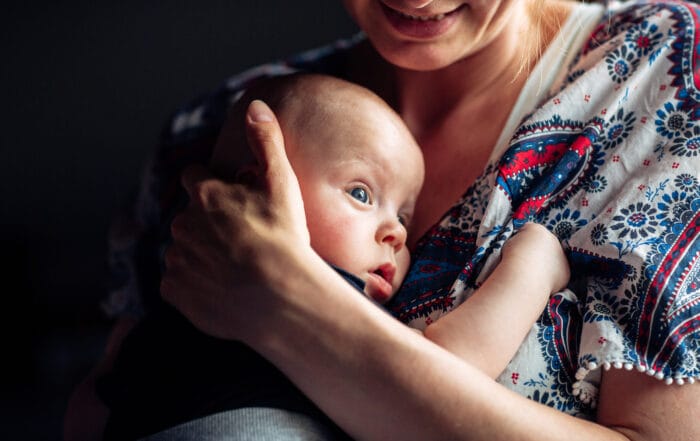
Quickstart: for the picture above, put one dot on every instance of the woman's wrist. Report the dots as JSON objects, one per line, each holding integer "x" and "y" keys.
{"x": 314, "y": 314}
{"x": 293, "y": 282}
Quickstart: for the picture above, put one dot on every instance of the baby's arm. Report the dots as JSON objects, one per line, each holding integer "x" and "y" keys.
{"x": 488, "y": 328}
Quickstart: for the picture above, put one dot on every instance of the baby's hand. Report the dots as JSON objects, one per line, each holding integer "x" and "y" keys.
{"x": 540, "y": 252}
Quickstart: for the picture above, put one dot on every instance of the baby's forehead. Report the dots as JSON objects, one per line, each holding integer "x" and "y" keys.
{"x": 347, "y": 123}
{"x": 369, "y": 135}
{"x": 342, "y": 115}
{"x": 333, "y": 103}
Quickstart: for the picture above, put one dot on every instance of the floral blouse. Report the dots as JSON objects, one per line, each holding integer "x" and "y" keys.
{"x": 608, "y": 159}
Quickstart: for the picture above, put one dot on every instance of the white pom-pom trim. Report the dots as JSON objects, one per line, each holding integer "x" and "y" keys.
{"x": 586, "y": 392}
{"x": 582, "y": 372}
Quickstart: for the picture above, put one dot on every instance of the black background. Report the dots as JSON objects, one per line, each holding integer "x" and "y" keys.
{"x": 85, "y": 89}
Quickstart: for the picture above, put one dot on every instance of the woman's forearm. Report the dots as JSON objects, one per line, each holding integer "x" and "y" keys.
{"x": 372, "y": 375}
{"x": 378, "y": 380}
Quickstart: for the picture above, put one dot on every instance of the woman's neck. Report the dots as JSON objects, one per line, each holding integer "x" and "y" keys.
{"x": 493, "y": 74}
{"x": 457, "y": 113}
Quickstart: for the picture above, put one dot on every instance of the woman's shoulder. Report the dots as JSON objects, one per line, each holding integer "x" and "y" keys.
{"x": 645, "y": 17}
{"x": 609, "y": 162}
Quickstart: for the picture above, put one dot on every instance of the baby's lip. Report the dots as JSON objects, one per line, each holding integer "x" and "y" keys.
{"x": 379, "y": 284}
{"x": 387, "y": 272}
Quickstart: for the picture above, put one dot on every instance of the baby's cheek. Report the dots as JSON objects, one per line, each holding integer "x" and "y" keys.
{"x": 403, "y": 262}
{"x": 334, "y": 242}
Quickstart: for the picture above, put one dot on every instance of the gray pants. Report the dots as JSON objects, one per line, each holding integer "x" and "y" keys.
{"x": 252, "y": 424}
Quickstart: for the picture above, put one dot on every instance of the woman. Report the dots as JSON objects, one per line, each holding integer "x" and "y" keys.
{"x": 581, "y": 119}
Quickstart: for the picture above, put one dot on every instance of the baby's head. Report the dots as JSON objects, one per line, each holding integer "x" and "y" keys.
{"x": 359, "y": 169}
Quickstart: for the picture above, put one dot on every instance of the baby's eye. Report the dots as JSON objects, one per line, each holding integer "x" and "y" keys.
{"x": 360, "y": 194}
{"x": 403, "y": 220}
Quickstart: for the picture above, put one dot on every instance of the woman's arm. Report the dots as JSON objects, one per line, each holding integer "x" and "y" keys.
{"x": 490, "y": 326}
{"x": 380, "y": 381}
{"x": 372, "y": 375}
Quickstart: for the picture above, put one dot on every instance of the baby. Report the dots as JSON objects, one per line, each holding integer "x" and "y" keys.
{"x": 360, "y": 172}
{"x": 359, "y": 169}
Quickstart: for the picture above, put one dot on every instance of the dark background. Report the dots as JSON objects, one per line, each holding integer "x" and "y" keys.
{"x": 85, "y": 89}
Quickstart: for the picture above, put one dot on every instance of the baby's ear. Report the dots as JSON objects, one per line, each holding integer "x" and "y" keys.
{"x": 231, "y": 152}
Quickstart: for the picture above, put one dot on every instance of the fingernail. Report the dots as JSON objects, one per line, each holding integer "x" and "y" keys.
{"x": 259, "y": 112}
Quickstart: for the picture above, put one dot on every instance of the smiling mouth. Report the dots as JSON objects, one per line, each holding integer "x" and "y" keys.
{"x": 423, "y": 26}
{"x": 423, "y": 18}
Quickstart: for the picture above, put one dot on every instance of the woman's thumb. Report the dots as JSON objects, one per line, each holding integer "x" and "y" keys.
{"x": 281, "y": 184}
{"x": 267, "y": 145}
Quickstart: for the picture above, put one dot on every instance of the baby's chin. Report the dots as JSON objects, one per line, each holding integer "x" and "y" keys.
{"x": 378, "y": 289}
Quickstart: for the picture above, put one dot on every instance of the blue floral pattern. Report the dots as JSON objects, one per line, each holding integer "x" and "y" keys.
{"x": 618, "y": 184}
{"x": 622, "y": 62}
{"x": 637, "y": 221}
{"x": 688, "y": 143}
{"x": 644, "y": 38}
{"x": 618, "y": 128}
{"x": 673, "y": 121}
{"x": 565, "y": 223}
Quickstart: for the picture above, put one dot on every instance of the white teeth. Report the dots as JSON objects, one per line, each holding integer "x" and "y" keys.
{"x": 423, "y": 18}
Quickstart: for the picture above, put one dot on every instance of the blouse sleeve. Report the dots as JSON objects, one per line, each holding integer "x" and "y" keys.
{"x": 639, "y": 252}
{"x": 610, "y": 163}
{"x": 621, "y": 189}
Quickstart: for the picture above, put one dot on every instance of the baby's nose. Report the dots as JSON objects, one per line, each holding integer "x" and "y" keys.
{"x": 392, "y": 233}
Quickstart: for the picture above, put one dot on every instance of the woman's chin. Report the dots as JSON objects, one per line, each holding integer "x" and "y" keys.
{"x": 423, "y": 58}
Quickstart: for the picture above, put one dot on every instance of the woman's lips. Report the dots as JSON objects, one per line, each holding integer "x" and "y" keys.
{"x": 420, "y": 26}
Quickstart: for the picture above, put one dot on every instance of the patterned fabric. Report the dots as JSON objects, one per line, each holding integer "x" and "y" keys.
{"x": 609, "y": 162}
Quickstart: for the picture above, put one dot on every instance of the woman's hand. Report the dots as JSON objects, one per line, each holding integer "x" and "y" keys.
{"x": 232, "y": 243}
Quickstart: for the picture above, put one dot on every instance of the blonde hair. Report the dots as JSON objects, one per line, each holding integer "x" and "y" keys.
{"x": 542, "y": 28}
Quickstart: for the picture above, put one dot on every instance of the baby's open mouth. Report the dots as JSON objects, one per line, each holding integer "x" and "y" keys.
{"x": 379, "y": 284}
{"x": 386, "y": 272}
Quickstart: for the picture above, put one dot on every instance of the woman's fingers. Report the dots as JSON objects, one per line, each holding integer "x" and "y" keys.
{"x": 202, "y": 187}
{"x": 226, "y": 243}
